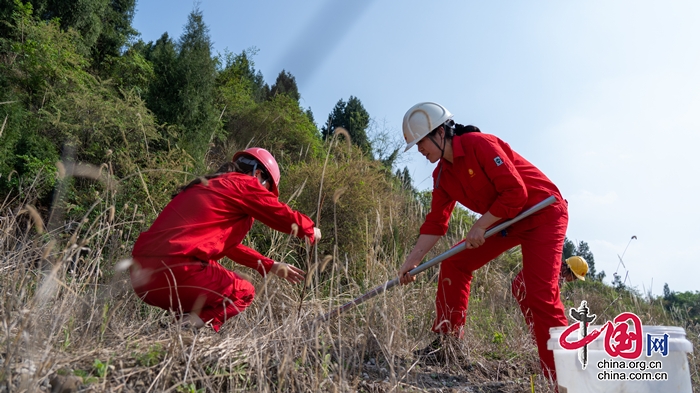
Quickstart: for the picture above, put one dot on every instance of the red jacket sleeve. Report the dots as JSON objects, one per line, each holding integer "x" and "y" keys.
{"x": 263, "y": 205}
{"x": 497, "y": 161}
{"x": 441, "y": 206}
{"x": 246, "y": 256}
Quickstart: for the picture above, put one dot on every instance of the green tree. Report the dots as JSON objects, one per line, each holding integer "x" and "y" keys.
{"x": 285, "y": 84}
{"x": 582, "y": 250}
{"x": 618, "y": 283}
{"x": 352, "y": 116}
{"x": 240, "y": 77}
{"x": 388, "y": 162}
{"x": 7, "y": 8}
{"x": 183, "y": 91}
{"x": 236, "y": 84}
{"x": 405, "y": 179}
{"x": 41, "y": 63}
{"x": 103, "y": 26}
{"x": 85, "y": 16}
{"x": 569, "y": 249}
{"x": 279, "y": 125}
{"x": 310, "y": 115}
{"x": 335, "y": 119}
{"x": 53, "y": 104}
{"x": 163, "y": 90}
{"x": 687, "y": 304}
{"x": 132, "y": 70}
{"x": 196, "y": 70}
{"x": 116, "y": 31}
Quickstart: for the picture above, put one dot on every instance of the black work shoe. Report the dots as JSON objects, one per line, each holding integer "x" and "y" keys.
{"x": 433, "y": 354}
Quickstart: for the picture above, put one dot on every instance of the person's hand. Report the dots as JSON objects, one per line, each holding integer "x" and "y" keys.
{"x": 404, "y": 277}
{"x": 290, "y": 273}
{"x": 317, "y": 234}
{"x": 475, "y": 236}
{"x": 423, "y": 245}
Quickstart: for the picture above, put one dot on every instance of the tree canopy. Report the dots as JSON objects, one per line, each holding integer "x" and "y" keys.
{"x": 352, "y": 116}
{"x": 285, "y": 84}
{"x": 103, "y": 26}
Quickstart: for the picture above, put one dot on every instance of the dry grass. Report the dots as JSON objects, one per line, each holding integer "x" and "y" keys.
{"x": 69, "y": 317}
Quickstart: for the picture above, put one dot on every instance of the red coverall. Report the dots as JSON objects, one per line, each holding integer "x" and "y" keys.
{"x": 517, "y": 288}
{"x": 176, "y": 259}
{"x": 487, "y": 175}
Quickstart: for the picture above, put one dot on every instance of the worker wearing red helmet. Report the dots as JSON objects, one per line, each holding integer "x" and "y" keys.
{"x": 483, "y": 173}
{"x": 176, "y": 260}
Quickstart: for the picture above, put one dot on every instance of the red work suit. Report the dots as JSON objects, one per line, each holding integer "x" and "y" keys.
{"x": 487, "y": 175}
{"x": 176, "y": 264}
{"x": 517, "y": 288}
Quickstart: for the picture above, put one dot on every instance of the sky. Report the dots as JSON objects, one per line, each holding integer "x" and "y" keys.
{"x": 603, "y": 97}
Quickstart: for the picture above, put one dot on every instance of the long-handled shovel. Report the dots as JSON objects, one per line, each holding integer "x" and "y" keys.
{"x": 418, "y": 269}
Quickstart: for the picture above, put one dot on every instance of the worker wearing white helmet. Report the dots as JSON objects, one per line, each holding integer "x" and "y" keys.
{"x": 483, "y": 173}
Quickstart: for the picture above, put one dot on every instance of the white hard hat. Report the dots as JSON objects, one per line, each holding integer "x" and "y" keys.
{"x": 421, "y": 119}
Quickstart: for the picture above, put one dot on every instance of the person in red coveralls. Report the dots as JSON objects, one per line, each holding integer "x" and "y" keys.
{"x": 175, "y": 260}
{"x": 483, "y": 173}
{"x": 572, "y": 269}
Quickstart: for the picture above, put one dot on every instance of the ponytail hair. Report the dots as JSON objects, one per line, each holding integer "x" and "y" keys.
{"x": 225, "y": 168}
{"x": 461, "y": 130}
{"x": 452, "y": 129}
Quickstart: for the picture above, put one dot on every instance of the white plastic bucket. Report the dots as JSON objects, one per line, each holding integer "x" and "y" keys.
{"x": 655, "y": 373}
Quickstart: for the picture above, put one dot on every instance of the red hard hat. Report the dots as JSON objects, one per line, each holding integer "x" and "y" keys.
{"x": 267, "y": 160}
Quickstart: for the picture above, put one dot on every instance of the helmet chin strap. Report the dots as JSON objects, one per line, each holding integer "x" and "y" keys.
{"x": 442, "y": 153}
{"x": 442, "y": 148}
{"x": 248, "y": 161}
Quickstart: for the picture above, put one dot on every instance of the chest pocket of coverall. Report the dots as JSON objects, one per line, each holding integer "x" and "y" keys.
{"x": 478, "y": 187}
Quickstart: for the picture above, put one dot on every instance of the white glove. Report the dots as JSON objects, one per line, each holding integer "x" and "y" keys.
{"x": 317, "y": 234}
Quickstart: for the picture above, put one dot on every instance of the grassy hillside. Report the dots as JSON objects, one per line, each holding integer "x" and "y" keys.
{"x": 70, "y": 318}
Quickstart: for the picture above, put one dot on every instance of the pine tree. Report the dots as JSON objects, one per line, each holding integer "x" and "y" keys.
{"x": 116, "y": 31}
{"x": 353, "y": 117}
{"x": 197, "y": 78}
{"x": 335, "y": 119}
{"x": 357, "y": 119}
{"x": 404, "y": 177}
{"x": 183, "y": 90}
{"x": 310, "y": 115}
{"x": 584, "y": 252}
{"x": 285, "y": 84}
{"x": 240, "y": 75}
{"x": 163, "y": 90}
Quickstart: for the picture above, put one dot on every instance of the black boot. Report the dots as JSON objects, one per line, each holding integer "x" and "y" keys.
{"x": 434, "y": 353}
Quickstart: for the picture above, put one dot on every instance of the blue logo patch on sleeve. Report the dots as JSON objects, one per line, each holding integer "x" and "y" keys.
{"x": 498, "y": 161}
